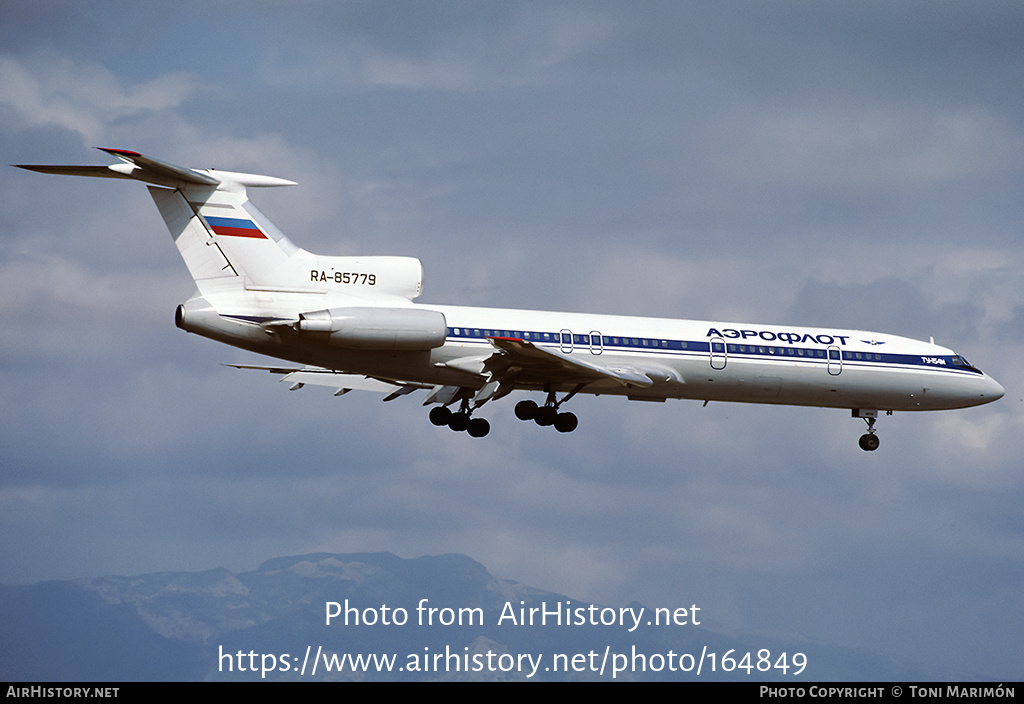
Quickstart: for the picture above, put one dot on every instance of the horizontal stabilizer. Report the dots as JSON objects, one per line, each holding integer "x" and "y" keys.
{"x": 161, "y": 173}
{"x": 94, "y": 171}
{"x": 161, "y": 168}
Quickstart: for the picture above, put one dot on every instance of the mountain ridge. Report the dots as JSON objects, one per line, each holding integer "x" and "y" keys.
{"x": 194, "y": 626}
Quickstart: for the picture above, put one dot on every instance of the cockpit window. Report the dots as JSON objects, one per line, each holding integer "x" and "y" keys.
{"x": 962, "y": 363}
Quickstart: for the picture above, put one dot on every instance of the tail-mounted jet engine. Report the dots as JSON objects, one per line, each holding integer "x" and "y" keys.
{"x": 376, "y": 328}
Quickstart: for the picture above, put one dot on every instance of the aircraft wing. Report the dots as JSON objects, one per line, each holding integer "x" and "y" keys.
{"x": 551, "y": 365}
{"x": 340, "y": 382}
{"x": 514, "y": 360}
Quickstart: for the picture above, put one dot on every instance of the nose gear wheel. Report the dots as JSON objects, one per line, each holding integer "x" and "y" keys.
{"x": 868, "y": 441}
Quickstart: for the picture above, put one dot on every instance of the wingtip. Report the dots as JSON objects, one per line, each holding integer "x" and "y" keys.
{"x": 118, "y": 152}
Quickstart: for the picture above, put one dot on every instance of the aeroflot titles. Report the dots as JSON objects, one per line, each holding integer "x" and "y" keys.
{"x": 769, "y": 336}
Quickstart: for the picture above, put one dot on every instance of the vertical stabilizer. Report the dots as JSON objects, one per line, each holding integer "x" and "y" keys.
{"x": 223, "y": 239}
{"x": 203, "y": 256}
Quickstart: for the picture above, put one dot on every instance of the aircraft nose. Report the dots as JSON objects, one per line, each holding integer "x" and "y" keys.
{"x": 998, "y": 390}
{"x": 993, "y": 390}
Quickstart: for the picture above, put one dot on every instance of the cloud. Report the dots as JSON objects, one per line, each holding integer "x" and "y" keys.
{"x": 974, "y": 435}
{"x": 48, "y": 90}
{"x": 666, "y": 159}
{"x": 487, "y": 48}
{"x": 868, "y": 146}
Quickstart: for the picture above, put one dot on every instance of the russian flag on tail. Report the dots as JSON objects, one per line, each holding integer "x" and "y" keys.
{"x": 235, "y": 227}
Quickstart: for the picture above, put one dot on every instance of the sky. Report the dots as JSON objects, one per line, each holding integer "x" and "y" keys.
{"x": 849, "y": 165}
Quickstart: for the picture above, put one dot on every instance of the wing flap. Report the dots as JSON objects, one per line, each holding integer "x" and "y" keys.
{"x": 342, "y": 383}
{"x": 545, "y": 362}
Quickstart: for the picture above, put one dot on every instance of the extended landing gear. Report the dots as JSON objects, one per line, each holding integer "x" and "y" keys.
{"x": 475, "y": 427}
{"x": 868, "y": 441}
{"x": 548, "y": 413}
{"x": 545, "y": 415}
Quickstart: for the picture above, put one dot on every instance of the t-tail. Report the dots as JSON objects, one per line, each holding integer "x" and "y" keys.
{"x": 229, "y": 246}
{"x": 223, "y": 238}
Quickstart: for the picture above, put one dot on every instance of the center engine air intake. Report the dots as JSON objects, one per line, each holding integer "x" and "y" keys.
{"x": 376, "y": 328}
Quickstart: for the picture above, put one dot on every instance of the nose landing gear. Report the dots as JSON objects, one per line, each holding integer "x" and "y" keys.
{"x": 868, "y": 441}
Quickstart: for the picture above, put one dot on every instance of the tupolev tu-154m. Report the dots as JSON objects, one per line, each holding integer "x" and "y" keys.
{"x": 352, "y": 323}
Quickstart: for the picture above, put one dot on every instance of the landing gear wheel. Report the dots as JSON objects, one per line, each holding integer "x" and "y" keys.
{"x": 545, "y": 416}
{"x": 440, "y": 415}
{"x": 478, "y": 427}
{"x": 526, "y": 410}
{"x": 566, "y": 422}
{"x": 459, "y": 421}
{"x": 868, "y": 442}
{"x": 548, "y": 413}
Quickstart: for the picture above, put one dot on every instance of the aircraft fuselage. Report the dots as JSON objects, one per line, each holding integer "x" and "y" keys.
{"x": 352, "y": 322}
{"x": 688, "y": 359}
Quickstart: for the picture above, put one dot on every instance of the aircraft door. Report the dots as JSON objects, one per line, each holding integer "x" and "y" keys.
{"x": 596, "y": 342}
{"x": 835, "y": 360}
{"x": 565, "y": 340}
{"x": 719, "y": 353}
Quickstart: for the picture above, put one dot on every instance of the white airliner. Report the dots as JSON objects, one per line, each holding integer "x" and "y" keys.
{"x": 353, "y": 324}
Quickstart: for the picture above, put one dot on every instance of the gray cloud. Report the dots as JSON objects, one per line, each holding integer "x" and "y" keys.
{"x": 855, "y": 165}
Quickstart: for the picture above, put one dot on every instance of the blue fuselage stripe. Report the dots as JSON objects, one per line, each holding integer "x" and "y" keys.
{"x": 735, "y": 351}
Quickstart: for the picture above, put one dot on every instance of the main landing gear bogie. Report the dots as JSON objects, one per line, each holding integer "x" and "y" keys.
{"x": 546, "y": 415}
{"x": 460, "y": 421}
